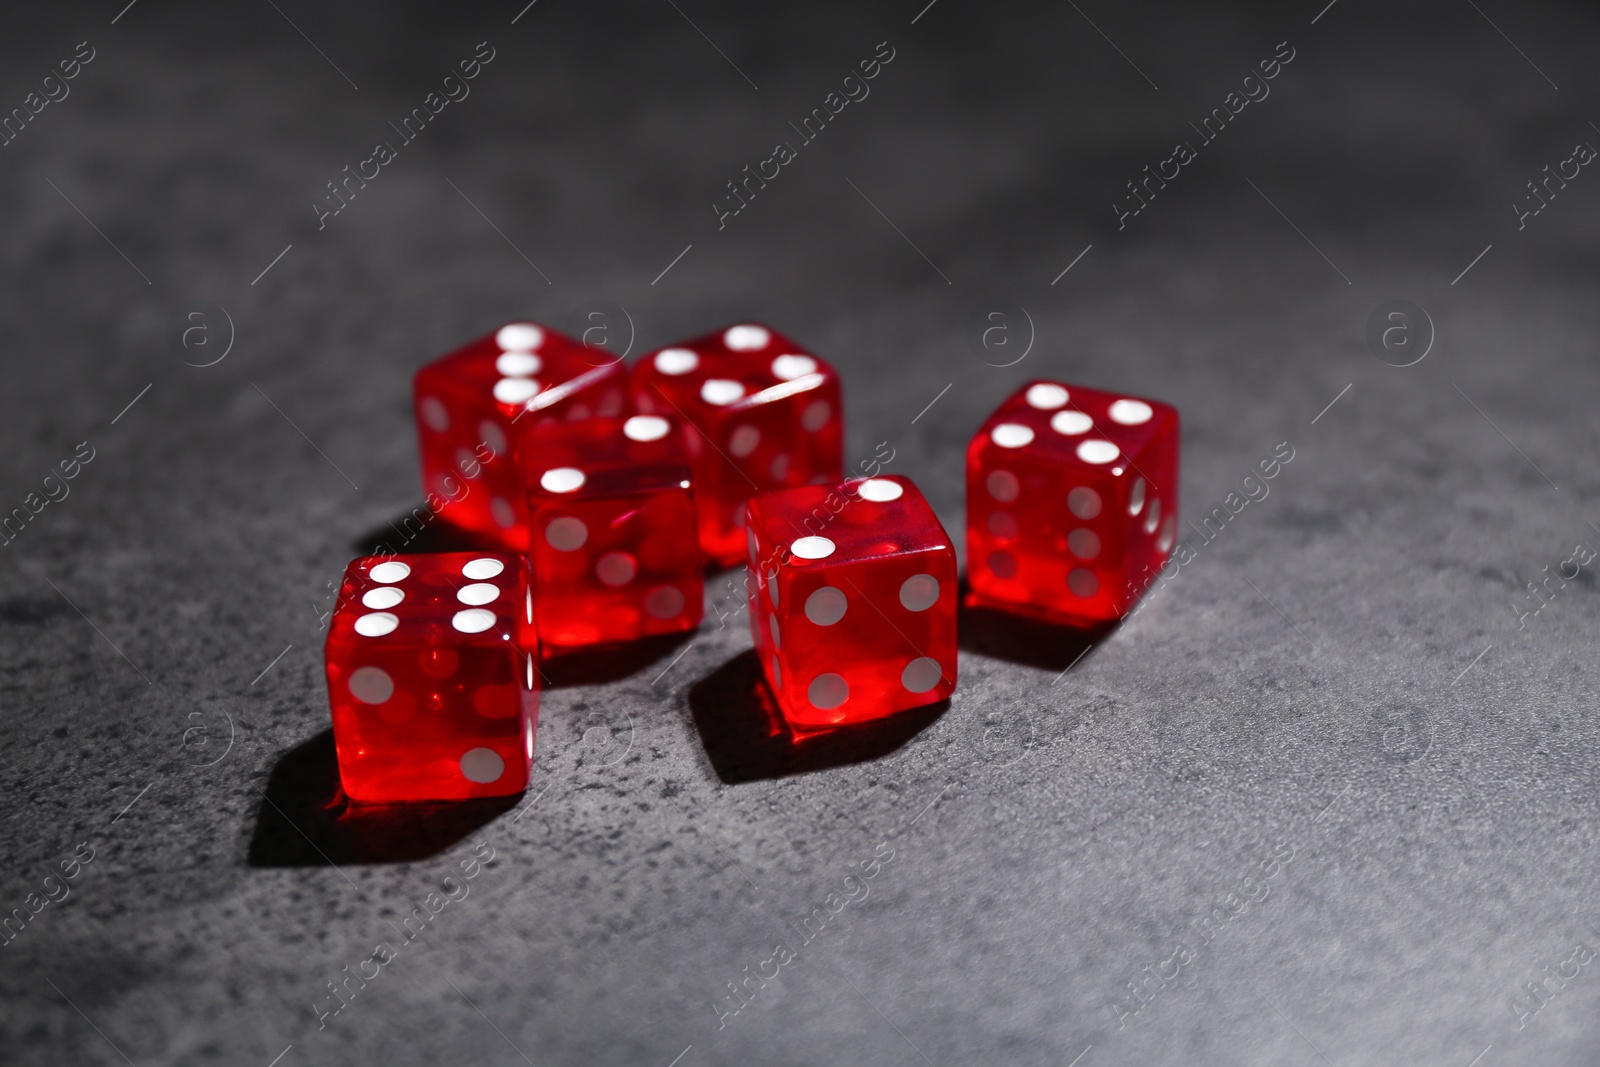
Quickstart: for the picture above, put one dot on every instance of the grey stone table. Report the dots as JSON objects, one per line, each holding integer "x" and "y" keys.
{"x": 1330, "y": 798}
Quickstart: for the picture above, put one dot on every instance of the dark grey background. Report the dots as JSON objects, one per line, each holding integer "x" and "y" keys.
{"x": 1342, "y": 673}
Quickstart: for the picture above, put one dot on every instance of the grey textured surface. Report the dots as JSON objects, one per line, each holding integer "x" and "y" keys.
{"x": 1342, "y": 673}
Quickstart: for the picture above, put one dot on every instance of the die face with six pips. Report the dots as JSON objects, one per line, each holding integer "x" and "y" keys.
{"x": 852, "y": 601}
{"x": 1072, "y": 502}
{"x": 432, "y": 676}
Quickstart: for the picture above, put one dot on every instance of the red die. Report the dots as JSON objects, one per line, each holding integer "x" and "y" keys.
{"x": 853, "y": 608}
{"x": 767, "y": 415}
{"x": 1072, "y": 502}
{"x": 613, "y": 528}
{"x": 466, "y": 403}
{"x": 431, "y": 676}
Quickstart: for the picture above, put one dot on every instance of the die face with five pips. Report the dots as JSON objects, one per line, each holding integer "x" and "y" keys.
{"x": 1072, "y": 502}
{"x": 852, "y": 601}
{"x": 471, "y": 404}
{"x": 763, "y": 414}
{"x": 432, "y": 667}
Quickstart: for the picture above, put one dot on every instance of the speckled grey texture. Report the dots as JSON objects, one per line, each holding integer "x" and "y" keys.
{"x": 1328, "y": 788}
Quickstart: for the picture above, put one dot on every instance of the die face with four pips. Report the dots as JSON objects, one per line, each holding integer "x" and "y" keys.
{"x": 1072, "y": 502}
{"x": 615, "y": 551}
{"x": 763, "y": 414}
{"x": 852, "y": 601}
{"x": 432, "y": 676}
{"x": 471, "y": 403}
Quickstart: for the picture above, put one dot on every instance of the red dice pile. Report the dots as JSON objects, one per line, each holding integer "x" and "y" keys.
{"x": 607, "y": 491}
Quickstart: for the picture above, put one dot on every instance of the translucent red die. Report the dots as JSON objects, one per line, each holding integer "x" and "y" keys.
{"x": 1072, "y": 502}
{"x": 432, "y": 676}
{"x": 853, "y": 600}
{"x": 612, "y": 517}
{"x": 468, "y": 401}
{"x": 764, "y": 414}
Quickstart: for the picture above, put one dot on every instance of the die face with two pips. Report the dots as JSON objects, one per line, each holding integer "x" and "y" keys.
{"x": 763, "y": 414}
{"x": 1072, "y": 502}
{"x": 614, "y": 545}
{"x": 471, "y": 403}
{"x": 852, "y": 601}
{"x": 432, "y": 676}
